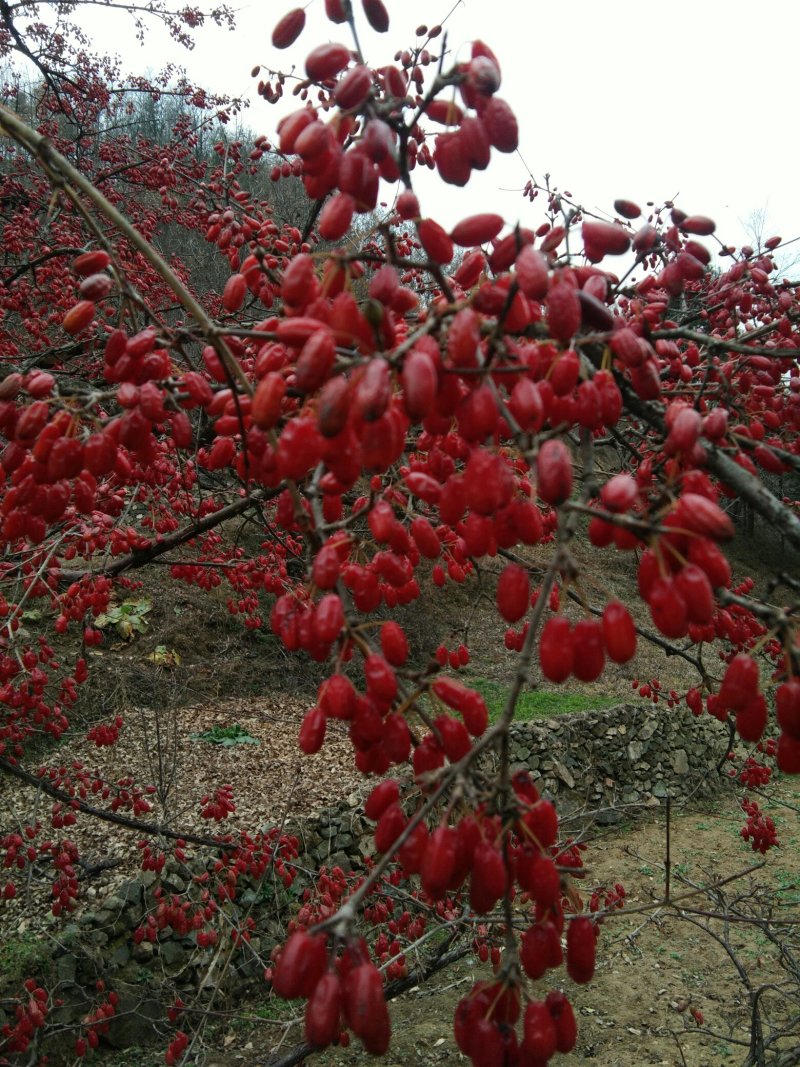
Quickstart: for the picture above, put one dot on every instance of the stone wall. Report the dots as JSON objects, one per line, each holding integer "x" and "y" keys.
{"x": 614, "y": 762}
{"x": 618, "y": 760}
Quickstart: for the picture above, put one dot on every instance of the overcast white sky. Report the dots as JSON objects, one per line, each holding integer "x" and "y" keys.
{"x": 693, "y": 99}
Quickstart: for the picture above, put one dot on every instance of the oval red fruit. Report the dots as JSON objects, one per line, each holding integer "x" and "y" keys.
{"x": 377, "y": 15}
{"x": 323, "y": 1011}
{"x": 554, "y": 469}
{"x": 312, "y": 731}
{"x": 300, "y": 965}
{"x": 602, "y": 239}
{"x": 289, "y": 28}
{"x": 435, "y": 240}
{"x": 787, "y": 704}
{"x": 439, "y": 862}
{"x": 234, "y": 292}
{"x": 581, "y": 949}
{"x": 326, "y": 61}
{"x": 627, "y": 208}
{"x": 513, "y": 592}
{"x": 619, "y": 632}
{"x": 90, "y": 263}
{"x": 556, "y": 655}
{"x": 500, "y": 124}
{"x": 78, "y": 317}
{"x": 668, "y": 608}
{"x": 477, "y": 229}
{"x": 588, "y": 650}
{"x": 266, "y": 407}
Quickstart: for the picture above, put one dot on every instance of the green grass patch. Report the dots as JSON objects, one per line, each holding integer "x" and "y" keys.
{"x": 539, "y": 703}
{"x": 226, "y": 736}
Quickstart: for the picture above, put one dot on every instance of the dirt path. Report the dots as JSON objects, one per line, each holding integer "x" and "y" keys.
{"x": 656, "y": 968}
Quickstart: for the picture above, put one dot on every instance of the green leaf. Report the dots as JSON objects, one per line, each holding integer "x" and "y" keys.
{"x": 226, "y": 736}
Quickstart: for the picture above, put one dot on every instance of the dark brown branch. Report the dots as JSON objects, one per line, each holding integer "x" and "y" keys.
{"x": 746, "y": 485}
{"x": 146, "y": 828}
{"x": 709, "y": 341}
{"x": 142, "y": 556}
{"x": 31, "y": 264}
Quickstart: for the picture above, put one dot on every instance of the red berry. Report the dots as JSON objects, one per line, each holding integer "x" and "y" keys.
{"x": 540, "y": 949}
{"x": 78, "y": 317}
{"x": 602, "y": 239}
{"x": 439, "y": 862}
{"x": 377, "y": 15}
{"x": 477, "y": 229}
{"x": 581, "y": 949}
{"x": 234, "y": 292}
{"x": 619, "y": 632}
{"x": 384, "y": 794}
{"x": 668, "y": 608}
{"x": 289, "y": 28}
{"x": 563, "y": 310}
{"x": 300, "y": 965}
{"x": 740, "y": 684}
{"x": 556, "y": 655}
{"x": 488, "y": 879}
{"x": 325, "y": 61}
{"x": 435, "y": 241}
{"x": 751, "y": 719}
{"x": 695, "y": 588}
{"x": 365, "y": 1008}
{"x": 500, "y": 124}
{"x": 323, "y": 1011}
{"x": 788, "y": 755}
{"x": 513, "y": 592}
{"x": 588, "y": 650}
{"x": 539, "y": 1031}
{"x": 554, "y": 470}
{"x": 787, "y": 704}
{"x": 564, "y": 1019}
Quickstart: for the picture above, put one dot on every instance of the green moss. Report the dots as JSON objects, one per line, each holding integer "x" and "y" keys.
{"x": 23, "y": 957}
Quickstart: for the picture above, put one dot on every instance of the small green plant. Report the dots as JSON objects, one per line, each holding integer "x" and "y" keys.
{"x": 538, "y": 703}
{"x": 226, "y": 736}
{"x": 127, "y": 618}
{"x": 165, "y": 657}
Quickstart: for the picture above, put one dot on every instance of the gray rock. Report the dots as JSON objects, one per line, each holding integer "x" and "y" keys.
{"x": 121, "y": 956}
{"x": 66, "y": 969}
{"x": 635, "y": 750}
{"x": 172, "y": 954}
{"x": 680, "y": 761}
{"x": 341, "y": 859}
{"x": 144, "y": 952}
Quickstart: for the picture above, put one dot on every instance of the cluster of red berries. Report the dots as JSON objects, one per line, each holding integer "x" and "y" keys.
{"x": 220, "y": 805}
{"x": 345, "y": 992}
{"x": 105, "y": 733}
{"x": 455, "y": 658}
{"x": 759, "y": 829}
{"x": 96, "y": 1022}
{"x": 485, "y": 1026}
{"x": 581, "y": 650}
{"x": 754, "y": 775}
{"x": 29, "y": 1016}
